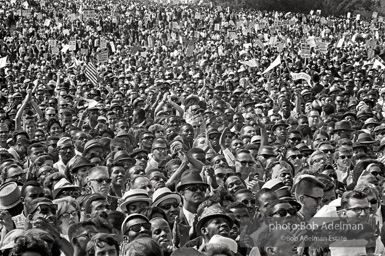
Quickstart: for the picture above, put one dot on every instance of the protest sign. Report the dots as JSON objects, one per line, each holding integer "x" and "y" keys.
{"x": 83, "y": 51}
{"x": 305, "y": 50}
{"x": 3, "y": 62}
{"x": 103, "y": 56}
{"x": 103, "y": 43}
{"x": 302, "y": 75}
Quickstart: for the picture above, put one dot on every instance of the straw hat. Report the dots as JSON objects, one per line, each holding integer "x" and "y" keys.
{"x": 9, "y": 195}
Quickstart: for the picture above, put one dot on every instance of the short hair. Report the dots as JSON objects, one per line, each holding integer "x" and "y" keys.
{"x": 243, "y": 191}
{"x": 77, "y": 228}
{"x": 102, "y": 237}
{"x": 116, "y": 219}
{"x": 236, "y": 205}
{"x": 264, "y": 191}
{"x": 90, "y": 199}
{"x": 32, "y": 183}
{"x": 144, "y": 246}
{"x": 270, "y": 207}
{"x": 102, "y": 223}
{"x": 35, "y": 145}
{"x": 4, "y": 171}
{"x": 30, "y": 243}
{"x": 306, "y": 184}
{"x": 351, "y": 194}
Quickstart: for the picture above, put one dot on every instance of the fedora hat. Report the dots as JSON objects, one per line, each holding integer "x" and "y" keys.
{"x": 343, "y": 125}
{"x": 364, "y": 138}
{"x": 63, "y": 184}
{"x": 135, "y": 195}
{"x": 9, "y": 195}
{"x": 162, "y": 194}
{"x": 123, "y": 156}
{"x": 349, "y": 114}
{"x": 212, "y": 212}
{"x": 370, "y": 121}
{"x": 124, "y": 227}
{"x": 190, "y": 177}
{"x": 277, "y": 124}
{"x": 267, "y": 150}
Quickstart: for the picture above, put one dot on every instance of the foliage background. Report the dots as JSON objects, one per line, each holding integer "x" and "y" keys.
{"x": 328, "y": 7}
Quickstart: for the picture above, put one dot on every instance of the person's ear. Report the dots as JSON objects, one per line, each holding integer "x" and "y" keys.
{"x": 75, "y": 241}
{"x": 126, "y": 239}
{"x": 88, "y": 216}
{"x": 300, "y": 198}
{"x": 269, "y": 250}
{"x": 204, "y": 231}
{"x": 22, "y": 200}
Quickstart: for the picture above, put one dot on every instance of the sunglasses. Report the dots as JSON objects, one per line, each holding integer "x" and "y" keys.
{"x": 143, "y": 157}
{"x": 195, "y": 188}
{"x": 296, "y": 156}
{"x": 101, "y": 180}
{"x": 345, "y": 157}
{"x": 328, "y": 151}
{"x": 137, "y": 227}
{"x": 376, "y": 173}
{"x": 168, "y": 206}
{"x": 221, "y": 175}
{"x": 295, "y": 139}
{"x": 373, "y": 201}
{"x": 284, "y": 212}
{"x": 246, "y": 163}
{"x": 74, "y": 194}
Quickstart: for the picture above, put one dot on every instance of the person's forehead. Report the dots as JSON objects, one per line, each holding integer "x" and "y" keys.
{"x": 354, "y": 202}
{"x": 282, "y": 206}
{"x": 33, "y": 190}
{"x": 98, "y": 173}
{"x": 99, "y": 202}
{"x": 135, "y": 221}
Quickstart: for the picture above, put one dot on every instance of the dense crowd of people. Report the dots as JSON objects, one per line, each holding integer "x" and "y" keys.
{"x": 164, "y": 128}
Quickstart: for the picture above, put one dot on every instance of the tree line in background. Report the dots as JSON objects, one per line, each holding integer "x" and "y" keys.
{"x": 327, "y": 7}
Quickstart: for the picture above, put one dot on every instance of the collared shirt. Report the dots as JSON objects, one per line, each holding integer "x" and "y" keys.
{"x": 19, "y": 220}
{"x": 152, "y": 164}
{"x": 60, "y": 166}
{"x": 78, "y": 153}
{"x": 379, "y": 218}
{"x": 189, "y": 216}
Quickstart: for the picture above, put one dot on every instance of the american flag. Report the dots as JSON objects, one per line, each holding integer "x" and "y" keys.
{"x": 91, "y": 73}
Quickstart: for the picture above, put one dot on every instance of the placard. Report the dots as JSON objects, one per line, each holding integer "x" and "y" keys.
{"x": 103, "y": 56}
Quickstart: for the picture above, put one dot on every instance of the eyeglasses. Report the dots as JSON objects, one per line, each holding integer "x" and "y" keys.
{"x": 317, "y": 199}
{"x": 246, "y": 163}
{"x": 374, "y": 173}
{"x": 328, "y": 151}
{"x": 87, "y": 234}
{"x": 168, "y": 206}
{"x": 373, "y": 201}
{"x": 161, "y": 149}
{"x": 195, "y": 188}
{"x": 296, "y": 139}
{"x": 68, "y": 214}
{"x": 47, "y": 208}
{"x": 148, "y": 138}
{"x": 142, "y": 157}
{"x": 101, "y": 180}
{"x": 284, "y": 212}
{"x": 343, "y": 157}
{"x": 17, "y": 176}
{"x": 137, "y": 227}
{"x": 358, "y": 210}
{"x": 74, "y": 194}
{"x": 296, "y": 156}
{"x": 246, "y": 201}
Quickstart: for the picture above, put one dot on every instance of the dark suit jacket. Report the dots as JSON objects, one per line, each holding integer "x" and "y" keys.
{"x": 183, "y": 230}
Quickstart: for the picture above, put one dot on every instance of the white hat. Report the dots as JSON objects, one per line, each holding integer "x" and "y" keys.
{"x": 348, "y": 248}
{"x": 162, "y": 194}
{"x": 223, "y": 241}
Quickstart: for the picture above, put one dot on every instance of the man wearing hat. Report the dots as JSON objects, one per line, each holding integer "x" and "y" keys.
{"x": 135, "y": 225}
{"x": 169, "y": 202}
{"x": 66, "y": 152}
{"x": 94, "y": 152}
{"x": 134, "y": 201}
{"x": 213, "y": 221}
{"x": 279, "y": 129}
{"x": 192, "y": 188}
